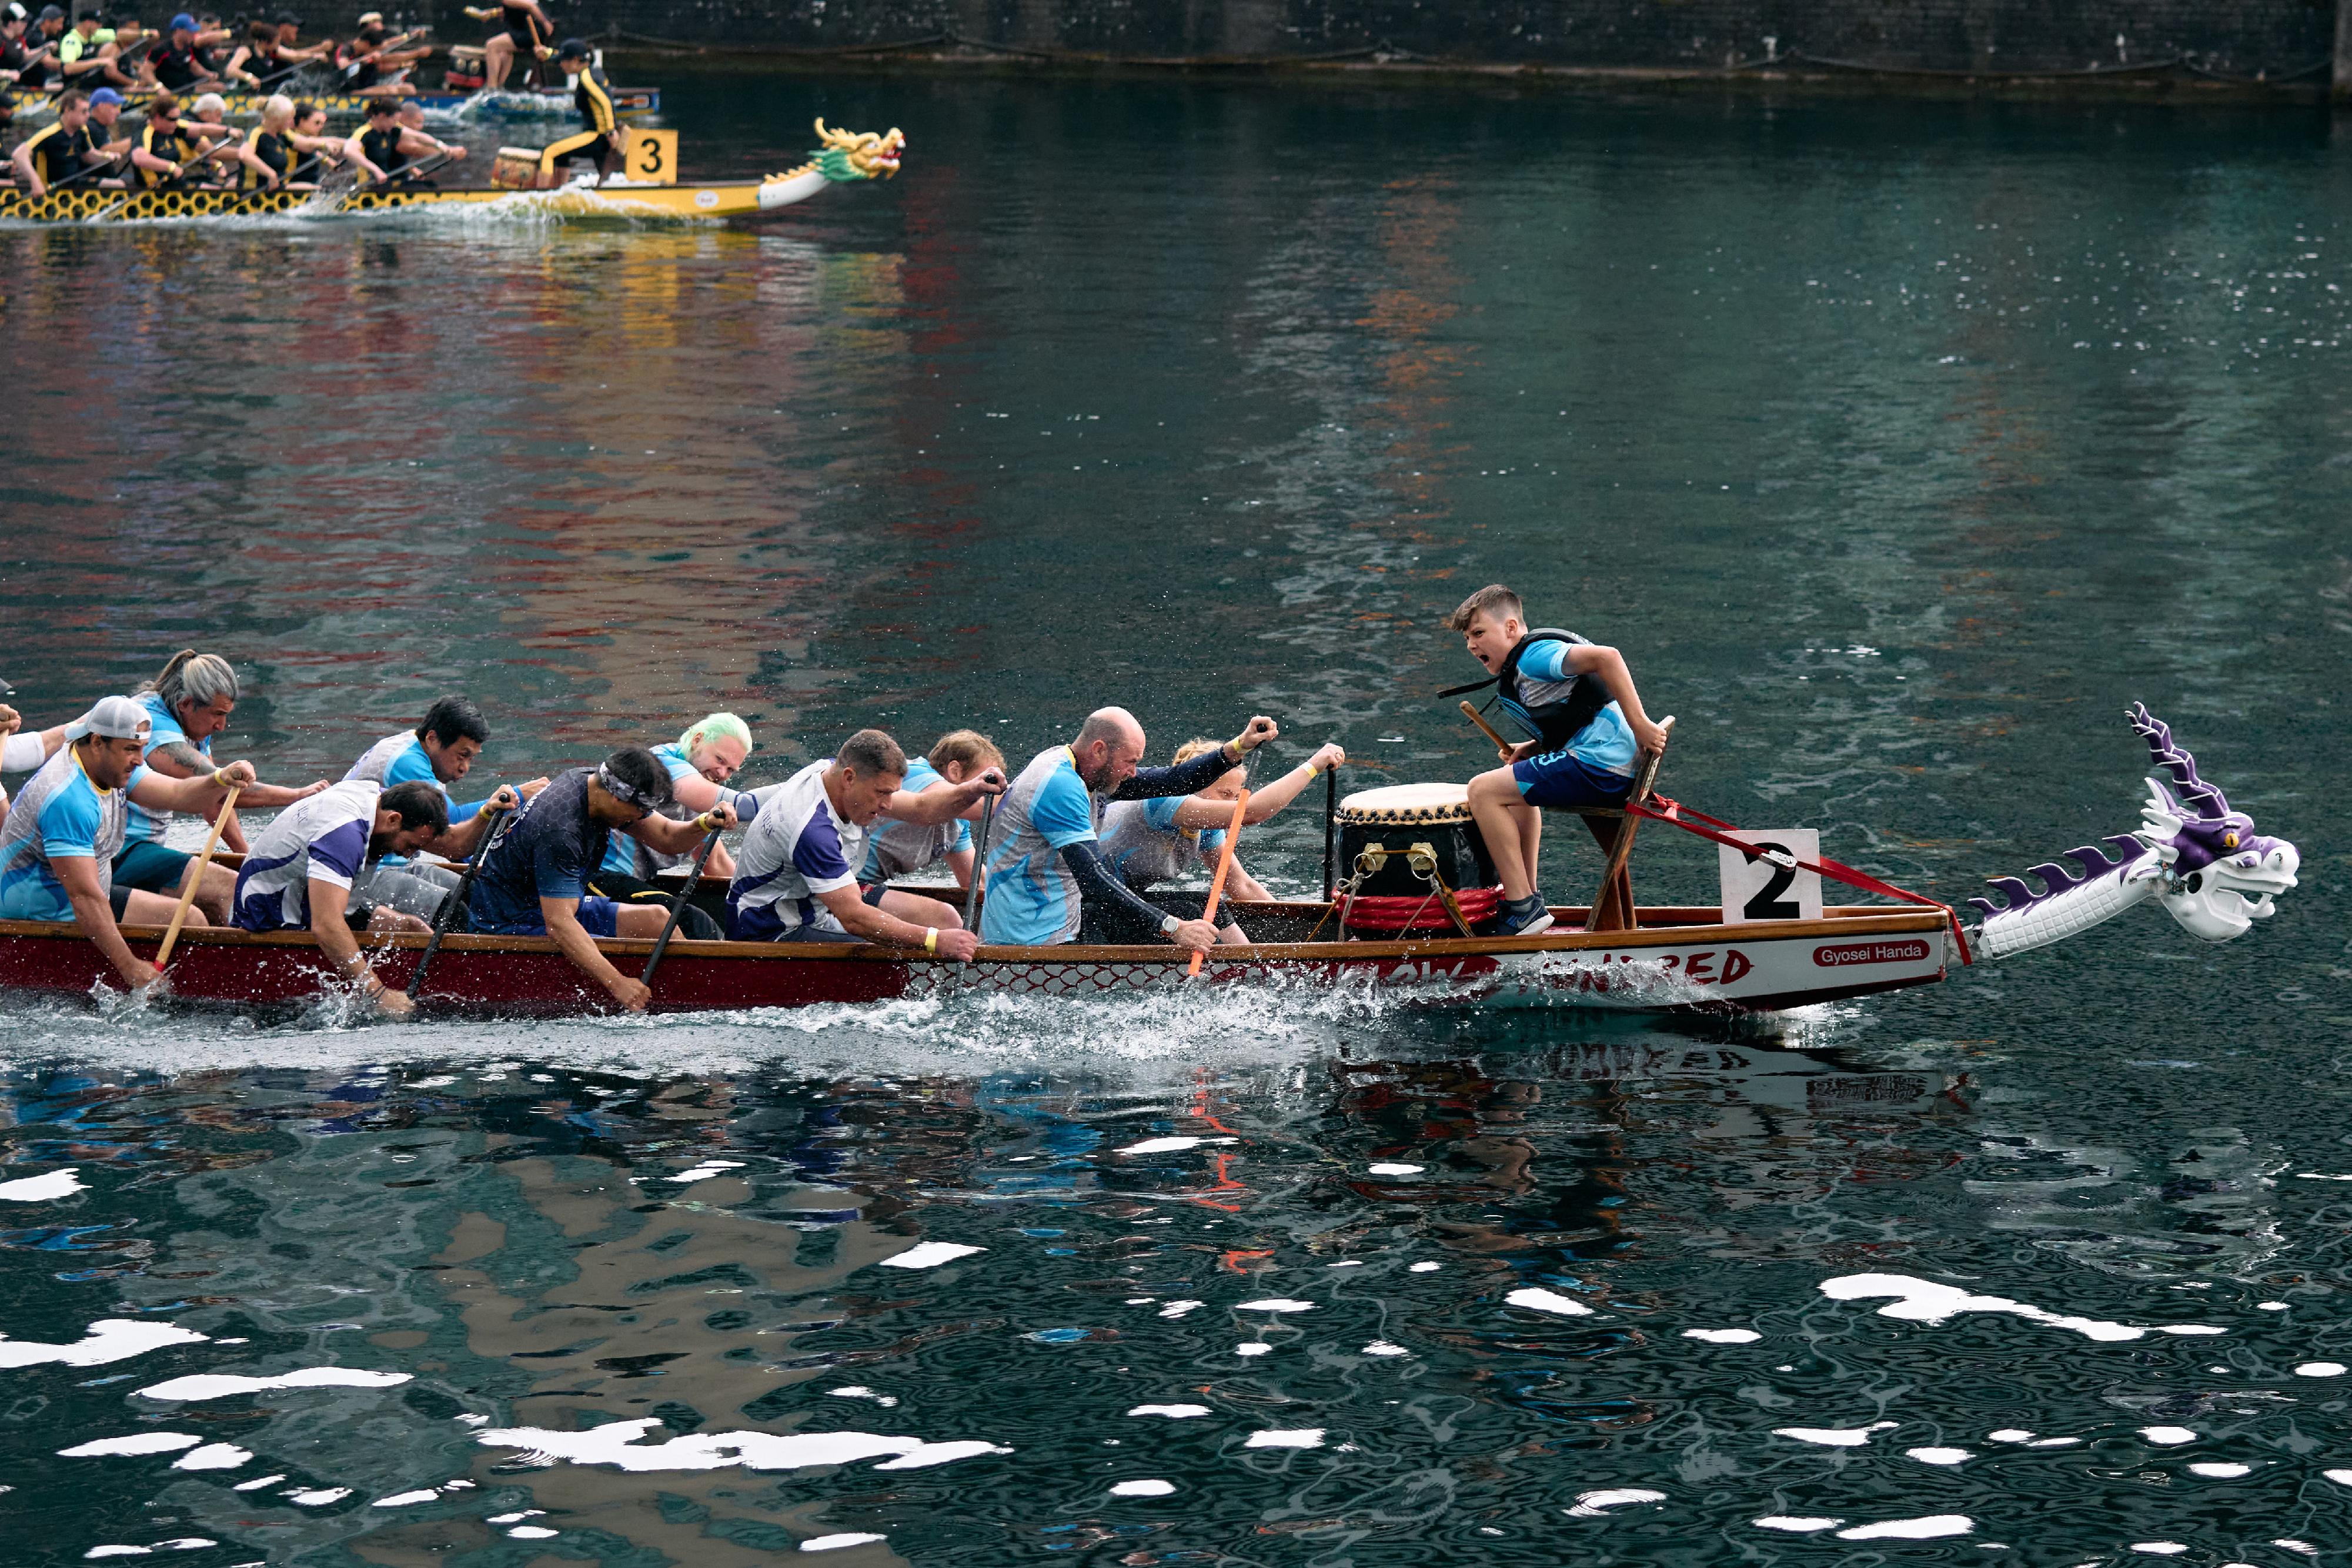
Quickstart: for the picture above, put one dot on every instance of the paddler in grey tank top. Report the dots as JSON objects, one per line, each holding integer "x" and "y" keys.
{"x": 1159, "y": 841}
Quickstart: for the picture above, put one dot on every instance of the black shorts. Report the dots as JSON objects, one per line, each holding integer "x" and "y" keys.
{"x": 118, "y": 898}
{"x": 870, "y": 894}
{"x": 522, "y": 30}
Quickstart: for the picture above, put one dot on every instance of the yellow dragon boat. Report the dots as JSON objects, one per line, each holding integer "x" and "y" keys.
{"x": 846, "y": 157}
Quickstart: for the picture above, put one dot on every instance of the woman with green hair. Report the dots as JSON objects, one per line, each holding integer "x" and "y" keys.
{"x": 700, "y": 762}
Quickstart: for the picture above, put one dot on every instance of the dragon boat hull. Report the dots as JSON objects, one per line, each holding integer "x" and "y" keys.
{"x": 714, "y": 200}
{"x": 536, "y": 103}
{"x": 1677, "y": 960}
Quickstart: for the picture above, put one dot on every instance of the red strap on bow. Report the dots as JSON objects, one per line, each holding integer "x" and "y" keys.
{"x": 1661, "y": 808}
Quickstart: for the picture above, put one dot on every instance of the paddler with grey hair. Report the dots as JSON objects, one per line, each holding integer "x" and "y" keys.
{"x": 534, "y": 880}
{"x": 1048, "y": 879}
{"x": 57, "y": 847}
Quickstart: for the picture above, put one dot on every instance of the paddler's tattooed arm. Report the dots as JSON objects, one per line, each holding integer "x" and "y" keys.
{"x": 185, "y": 760}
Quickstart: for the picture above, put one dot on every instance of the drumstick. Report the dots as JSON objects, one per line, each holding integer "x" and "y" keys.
{"x": 1474, "y": 717}
{"x": 1217, "y": 883}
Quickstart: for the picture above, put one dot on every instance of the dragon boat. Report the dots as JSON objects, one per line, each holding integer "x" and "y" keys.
{"x": 845, "y": 158}
{"x": 2191, "y": 854}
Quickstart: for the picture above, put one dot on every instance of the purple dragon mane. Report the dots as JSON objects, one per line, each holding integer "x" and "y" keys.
{"x": 2208, "y": 830}
{"x": 2017, "y": 896}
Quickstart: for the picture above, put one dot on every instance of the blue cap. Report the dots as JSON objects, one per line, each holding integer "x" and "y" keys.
{"x": 106, "y": 94}
{"x": 183, "y": 22}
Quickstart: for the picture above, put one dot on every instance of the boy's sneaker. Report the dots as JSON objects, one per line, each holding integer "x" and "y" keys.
{"x": 1523, "y": 917}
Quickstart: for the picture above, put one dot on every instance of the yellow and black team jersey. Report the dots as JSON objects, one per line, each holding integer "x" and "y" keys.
{"x": 57, "y": 152}
{"x": 174, "y": 146}
{"x": 592, "y": 96}
{"x": 273, "y": 150}
{"x": 381, "y": 148}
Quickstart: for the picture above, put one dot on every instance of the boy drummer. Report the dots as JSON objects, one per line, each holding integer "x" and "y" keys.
{"x": 1579, "y": 701}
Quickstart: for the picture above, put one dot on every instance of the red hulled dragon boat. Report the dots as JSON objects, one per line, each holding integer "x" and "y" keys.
{"x": 2202, "y": 860}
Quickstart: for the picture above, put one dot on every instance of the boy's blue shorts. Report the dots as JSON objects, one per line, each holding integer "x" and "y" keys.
{"x": 1562, "y": 781}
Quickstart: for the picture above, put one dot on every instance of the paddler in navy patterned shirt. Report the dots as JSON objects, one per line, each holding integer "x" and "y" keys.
{"x": 1579, "y": 701}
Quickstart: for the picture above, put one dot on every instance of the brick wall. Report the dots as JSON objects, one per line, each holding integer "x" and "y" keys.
{"x": 2239, "y": 38}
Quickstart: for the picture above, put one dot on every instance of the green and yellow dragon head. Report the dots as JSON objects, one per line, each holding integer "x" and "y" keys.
{"x": 857, "y": 154}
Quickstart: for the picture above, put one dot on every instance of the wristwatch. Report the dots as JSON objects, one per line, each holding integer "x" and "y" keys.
{"x": 1167, "y": 925}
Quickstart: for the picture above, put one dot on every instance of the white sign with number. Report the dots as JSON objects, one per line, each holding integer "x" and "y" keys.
{"x": 1756, "y": 887}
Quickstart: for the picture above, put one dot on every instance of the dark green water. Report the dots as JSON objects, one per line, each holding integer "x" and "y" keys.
{"x": 1898, "y": 447}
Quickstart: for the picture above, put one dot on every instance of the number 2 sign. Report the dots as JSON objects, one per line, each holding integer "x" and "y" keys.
{"x": 1757, "y": 886}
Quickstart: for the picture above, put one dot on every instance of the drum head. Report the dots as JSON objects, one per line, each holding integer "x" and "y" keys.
{"x": 1408, "y": 803}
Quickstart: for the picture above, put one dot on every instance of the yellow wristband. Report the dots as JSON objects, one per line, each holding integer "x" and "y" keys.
{"x": 1311, "y": 771}
{"x": 220, "y": 774}
{"x": 931, "y": 939}
{"x": 702, "y": 823}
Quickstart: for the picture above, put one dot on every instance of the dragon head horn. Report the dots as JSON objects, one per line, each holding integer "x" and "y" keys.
{"x": 844, "y": 140}
{"x": 2206, "y": 800}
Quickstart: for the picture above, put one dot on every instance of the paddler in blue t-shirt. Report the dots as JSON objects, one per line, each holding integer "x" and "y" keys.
{"x": 1578, "y": 700}
{"x": 440, "y": 752}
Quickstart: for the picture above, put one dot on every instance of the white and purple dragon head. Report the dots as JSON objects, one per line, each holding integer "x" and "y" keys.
{"x": 2223, "y": 874}
{"x": 2204, "y": 863}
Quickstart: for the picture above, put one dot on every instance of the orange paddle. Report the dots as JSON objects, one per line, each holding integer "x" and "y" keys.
{"x": 1217, "y": 883}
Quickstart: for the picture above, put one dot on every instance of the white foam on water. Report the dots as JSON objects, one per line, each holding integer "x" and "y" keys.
{"x": 2169, "y": 1436}
{"x": 98, "y": 1551}
{"x": 1425, "y": 1268}
{"x": 2053, "y": 1442}
{"x": 42, "y": 1189}
{"x": 184, "y": 1543}
{"x": 1939, "y": 1456}
{"x": 1143, "y": 1488}
{"x": 531, "y": 1532}
{"x": 2158, "y": 1548}
{"x": 214, "y": 1456}
{"x": 318, "y": 1496}
{"x": 2341, "y": 1477}
{"x": 1172, "y": 1145}
{"x": 257, "y": 1483}
{"x": 1382, "y": 1347}
{"x": 2270, "y": 1306}
{"x": 1794, "y": 1524}
{"x": 1593, "y": 1504}
{"x": 1543, "y": 1301}
{"x": 2009, "y": 1435}
{"x": 405, "y": 1499}
{"x": 1252, "y": 1347}
{"x": 931, "y": 1255}
{"x": 1833, "y": 1437}
{"x": 2304, "y": 1547}
{"x": 136, "y": 1443}
{"x": 1932, "y": 1527}
{"x": 1389, "y": 1168}
{"x": 1173, "y": 1412}
{"x": 706, "y": 1170}
{"x": 222, "y": 1385}
{"x": 1723, "y": 1337}
{"x": 1298, "y": 1437}
{"x": 836, "y": 1542}
{"x": 515, "y": 1518}
{"x": 2220, "y": 1472}
{"x": 109, "y": 1340}
{"x": 1926, "y": 1302}
{"x": 1276, "y": 1304}
{"x": 615, "y": 1442}
{"x": 2320, "y": 1369}
{"x": 1178, "y": 1308}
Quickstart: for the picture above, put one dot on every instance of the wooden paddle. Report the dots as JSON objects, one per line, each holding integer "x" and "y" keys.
{"x": 1217, "y": 883}
{"x": 678, "y": 905}
{"x": 1474, "y": 717}
{"x": 196, "y": 878}
{"x": 456, "y": 902}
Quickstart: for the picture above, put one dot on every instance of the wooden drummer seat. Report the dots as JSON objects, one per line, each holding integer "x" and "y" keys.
{"x": 1613, "y": 829}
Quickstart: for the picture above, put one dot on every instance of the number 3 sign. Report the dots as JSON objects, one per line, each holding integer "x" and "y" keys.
{"x": 1756, "y": 887}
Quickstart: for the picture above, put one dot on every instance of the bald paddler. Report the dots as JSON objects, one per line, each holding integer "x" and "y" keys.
{"x": 57, "y": 847}
{"x": 534, "y": 881}
{"x": 299, "y": 873}
{"x": 797, "y": 880}
{"x": 594, "y": 98}
{"x": 1048, "y": 878}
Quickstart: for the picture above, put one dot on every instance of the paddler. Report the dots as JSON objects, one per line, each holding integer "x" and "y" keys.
{"x": 80, "y": 58}
{"x": 898, "y": 850}
{"x": 523, "y": 29}
{"x": 300, "y": 872}
{"x": 177, "y": 62}
{"x": 169, "y": 147}
{"x": 797, "y": 880}
{"x": 1048, "y": 879}
{"x": 1172, "y": 836}
{"x": 270, "y": 53}
{"x": 1578, "y": 700}
{"x": 16, "y": 59}
{"x": 59, "y": 151}
{"x": 319, "y": 149}
{"x": 594, "y": 98}
{"x": 56, "y": 848}
{"x": 700, "y": 762}
{"x": 189, "y": 703}
{"x": 534, "y": 881}
{"x": 415, "y": 144}
{"x": 375, "y": 64}
{"x": 439, "y": 752}
{"x": 38, "y": 68}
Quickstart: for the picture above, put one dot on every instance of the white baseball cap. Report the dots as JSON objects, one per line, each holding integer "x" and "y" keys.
{"x": 115, "y": 719}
